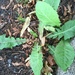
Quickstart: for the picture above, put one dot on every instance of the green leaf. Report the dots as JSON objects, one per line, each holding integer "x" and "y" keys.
{"x": 53, "y": 3}
{"x": 21, "y": 19}
{"x": 67, "y": 30}
{"x": 32, "y": 32}
{"x": 51, "y": 49}
{"x": 36, "y": 60}
{"x": 50, "y": 28}
{"x": 64, "y": 54}
{"x": 20, "y": 41}
{"x": 46, "y": 14}
{"x": 9, "y": 42}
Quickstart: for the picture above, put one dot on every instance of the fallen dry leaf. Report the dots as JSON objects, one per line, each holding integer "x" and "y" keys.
{"x": 17, "y": 64}
{"x": 47, "y": 69}
{"x": 16, "y": 31}
{"x": 65, "y": 11}
{"x": 27, "y": 59}
{"x": 26, "y": 24}
{"x": 42, "y": 39}
{"x": 50, "y": 59}
{"x": 9, "y": 32}
{"x": 28, "y": 64}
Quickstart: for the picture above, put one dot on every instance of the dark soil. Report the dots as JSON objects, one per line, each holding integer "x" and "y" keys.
{"x": 12, "y": 61}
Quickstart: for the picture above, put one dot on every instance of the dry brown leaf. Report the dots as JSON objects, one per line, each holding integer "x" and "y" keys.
{"x": 17, "y": 64}
{"x": 69, "y": 8}
{"x": 27, "y": 59}
{"x": 33, "y": 1}
{"x": 16, "y": 31}
{"x": 65, "y": 11}
{"x": 47, "y": 69}
{"x": 51, "y": 60}
{"x": 42, "y": 41}
{"x": 9, "y": 32}
{"x": 25, "y": 26}
{"x": 25, "y": 46}
{"x": 28, "y": 64}
{"x": 31, "y": 13}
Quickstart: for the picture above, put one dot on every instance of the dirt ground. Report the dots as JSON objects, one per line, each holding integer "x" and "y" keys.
{"x": 12, "y": 61}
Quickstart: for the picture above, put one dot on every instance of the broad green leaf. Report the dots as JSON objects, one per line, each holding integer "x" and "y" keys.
{"x": 46, "y": 14}
{"x": 53, "y": 3}
{"x": 36, "y": 60}
{"x": 9, "y": 42}
{"x": 64, "y": 55}
{"x": 67, "y": 30}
